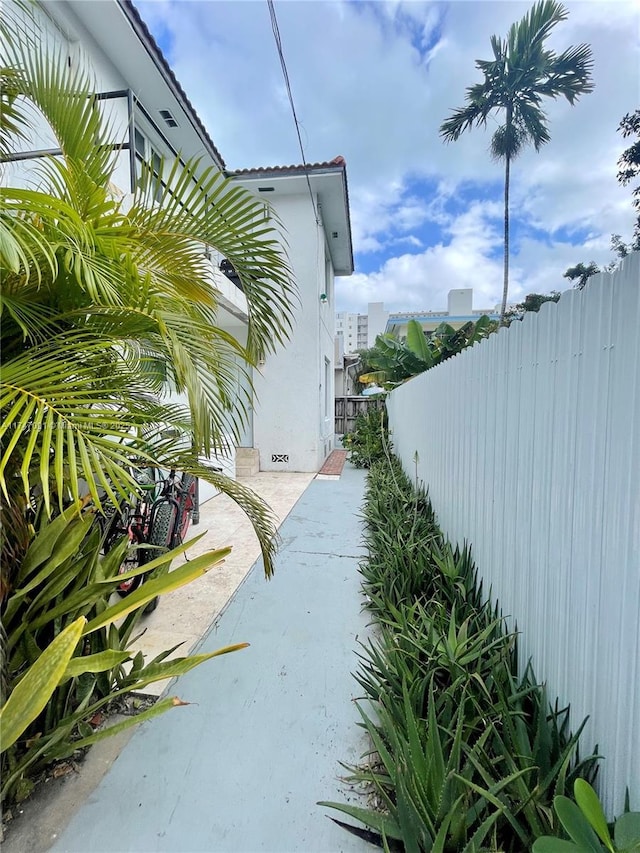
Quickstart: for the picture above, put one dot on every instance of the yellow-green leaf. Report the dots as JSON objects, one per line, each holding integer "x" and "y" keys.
{"x": 158, "y": 586}
{"x": 100, "y": 662}
{"x": 33, "y": 691}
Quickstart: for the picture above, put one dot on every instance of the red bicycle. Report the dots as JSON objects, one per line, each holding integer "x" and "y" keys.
{"x": 158, "y": 516}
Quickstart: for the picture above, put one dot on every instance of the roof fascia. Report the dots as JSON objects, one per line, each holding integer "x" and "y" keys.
{"x": 156, "y": 55}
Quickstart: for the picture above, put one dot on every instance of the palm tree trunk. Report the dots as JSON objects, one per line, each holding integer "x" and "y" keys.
{"x": 505, "y": 283}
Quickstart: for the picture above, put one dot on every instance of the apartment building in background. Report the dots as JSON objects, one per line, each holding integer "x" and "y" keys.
{"x": 459, "y": 311}
{"x": 359, "y": 331}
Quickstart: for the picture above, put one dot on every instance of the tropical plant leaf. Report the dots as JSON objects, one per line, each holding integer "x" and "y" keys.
{"x": 589, "y": 805}
{"x": 32, "y": 692}
{"x": 627, "y": 832}
{"x": 576, "y": 824}
{"x": 153, "y": 587}
{"x": 382, "y": 823}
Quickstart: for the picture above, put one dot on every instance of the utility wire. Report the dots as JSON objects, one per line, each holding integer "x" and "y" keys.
{"x": 276, "y": 35}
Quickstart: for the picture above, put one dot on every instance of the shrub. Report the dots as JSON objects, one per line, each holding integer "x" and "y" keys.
{"x": 467, "y": 754}
{"x": 369, "y": 440}
{"x": 65, "y": 649}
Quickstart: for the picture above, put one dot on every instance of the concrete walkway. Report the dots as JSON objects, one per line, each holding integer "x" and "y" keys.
{"x": 241, "y": 768}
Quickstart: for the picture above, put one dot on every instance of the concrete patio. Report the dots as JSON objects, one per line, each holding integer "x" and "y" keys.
{"x": 241, "y": 768}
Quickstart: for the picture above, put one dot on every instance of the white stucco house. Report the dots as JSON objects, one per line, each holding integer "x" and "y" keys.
{"x": 292, "y": 421}
{"x": 293, "y": 426}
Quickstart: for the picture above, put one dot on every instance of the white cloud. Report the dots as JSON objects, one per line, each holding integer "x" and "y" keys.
{"x": 421, "y": 281}
{"x": 373, "y": 82}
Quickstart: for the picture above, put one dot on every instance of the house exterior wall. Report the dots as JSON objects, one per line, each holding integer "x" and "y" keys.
{"x": 294, "y": 410}
{"x": 64, "y": 31}
{"x": 537, "y": 466}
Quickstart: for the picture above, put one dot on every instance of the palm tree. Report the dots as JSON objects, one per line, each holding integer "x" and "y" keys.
{"x": 520, "y": 75}
{"x": 106, "y": 305}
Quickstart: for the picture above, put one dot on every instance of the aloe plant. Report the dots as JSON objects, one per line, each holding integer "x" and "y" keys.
{"x": 467, "y": 753}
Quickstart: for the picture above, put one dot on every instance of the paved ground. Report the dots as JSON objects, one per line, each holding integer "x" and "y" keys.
{"x": 186, "y": 614}
{"x": 241, "y": 768}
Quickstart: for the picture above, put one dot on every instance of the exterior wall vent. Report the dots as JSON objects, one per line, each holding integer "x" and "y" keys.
{"x": 279, "y": 457}
{"x": 166, "y": 115}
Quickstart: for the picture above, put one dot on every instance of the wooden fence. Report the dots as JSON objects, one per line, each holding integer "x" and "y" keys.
{"x": 348, "y": 408}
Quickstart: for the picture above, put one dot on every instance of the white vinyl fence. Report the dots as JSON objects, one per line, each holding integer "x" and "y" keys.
{"x": 529, "y": 445}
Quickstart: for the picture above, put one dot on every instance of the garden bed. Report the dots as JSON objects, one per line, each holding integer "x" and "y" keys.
{"x": 467, "y": 753}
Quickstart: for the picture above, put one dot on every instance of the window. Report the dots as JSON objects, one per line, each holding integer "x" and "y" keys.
{"x": 140, "y": 144}
{"x": 145, "y": 153}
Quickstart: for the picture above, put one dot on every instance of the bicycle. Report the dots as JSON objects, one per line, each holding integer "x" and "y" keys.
{"x": 159, "y": 516}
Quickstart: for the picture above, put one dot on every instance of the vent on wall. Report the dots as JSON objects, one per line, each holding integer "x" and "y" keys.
{"x": 166, "y": 115}
{"x": 279, "y": 457}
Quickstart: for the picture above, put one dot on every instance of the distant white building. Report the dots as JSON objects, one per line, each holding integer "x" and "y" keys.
{"x": 460, "y": 311}
{"x": 359, "y": 331}
{"x": 347, "y": 331}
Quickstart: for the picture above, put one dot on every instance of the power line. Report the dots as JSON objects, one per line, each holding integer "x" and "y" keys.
{"x": 285, "y": 73}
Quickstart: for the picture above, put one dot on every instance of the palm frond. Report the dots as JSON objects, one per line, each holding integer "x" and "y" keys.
{"x": 203, "y": 207}
{"x": 462, "y": 119}
{"x": 73, "y": 409}
{"x": 569, "y": 74}
{"x": 262, "y": 518}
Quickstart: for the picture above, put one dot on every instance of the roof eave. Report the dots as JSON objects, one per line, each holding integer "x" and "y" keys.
{"x": 336, "y": 167}
{"x": 151, "y": 46}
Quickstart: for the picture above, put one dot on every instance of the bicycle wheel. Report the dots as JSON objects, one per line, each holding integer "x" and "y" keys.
{"x": 161, "y": 533}
{"x": 133, "y": 560}
{"x": 186, "y": 505}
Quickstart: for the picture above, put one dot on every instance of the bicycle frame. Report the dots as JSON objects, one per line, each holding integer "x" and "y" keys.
{"x": 145, "y": 519}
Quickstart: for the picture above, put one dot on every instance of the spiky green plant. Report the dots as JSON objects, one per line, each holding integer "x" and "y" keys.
{"x": 466, "y": 752}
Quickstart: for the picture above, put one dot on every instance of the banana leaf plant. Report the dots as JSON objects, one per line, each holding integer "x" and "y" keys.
{"x": 391, "y": 361}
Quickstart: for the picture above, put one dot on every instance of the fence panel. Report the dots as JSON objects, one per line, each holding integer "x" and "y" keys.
{"x": 348, "y": 408}
{"x": 529, "y": 444}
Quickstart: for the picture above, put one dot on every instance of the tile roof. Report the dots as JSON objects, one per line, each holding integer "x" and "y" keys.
{"x": 257, "y": 170}
{"x": 134, "y": 16}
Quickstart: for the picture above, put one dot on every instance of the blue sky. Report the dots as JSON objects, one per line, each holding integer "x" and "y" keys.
{"x": 373, "y": 81}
